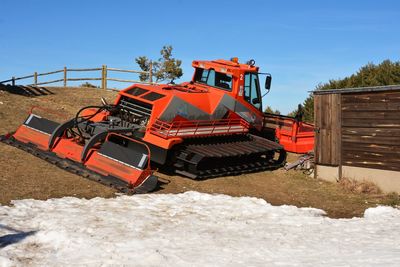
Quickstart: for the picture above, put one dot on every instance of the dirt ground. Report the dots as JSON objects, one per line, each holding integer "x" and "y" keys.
{"x": 25, "y": 176}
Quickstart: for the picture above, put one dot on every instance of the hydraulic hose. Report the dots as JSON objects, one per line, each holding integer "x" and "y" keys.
{"x": 80, "y": 119}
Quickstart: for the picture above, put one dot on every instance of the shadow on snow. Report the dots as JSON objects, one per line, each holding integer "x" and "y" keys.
{"x": 16, "y": 237}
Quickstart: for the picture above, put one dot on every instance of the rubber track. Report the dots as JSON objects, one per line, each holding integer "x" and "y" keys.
{"x": 74, "y": 167}
{"x": 237, "y": 156}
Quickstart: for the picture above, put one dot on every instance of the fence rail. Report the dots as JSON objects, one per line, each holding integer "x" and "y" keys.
{"x": 104, "y": 76}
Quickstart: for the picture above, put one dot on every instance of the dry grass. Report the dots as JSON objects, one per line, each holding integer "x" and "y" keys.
{"x": 360, "y": 187}
{"x": 392, "y": 199}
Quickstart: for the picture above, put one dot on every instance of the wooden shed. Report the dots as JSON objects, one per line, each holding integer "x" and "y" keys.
{"x": 358, "y": 135}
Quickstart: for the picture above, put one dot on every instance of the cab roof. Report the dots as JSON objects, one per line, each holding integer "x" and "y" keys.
{"x": 225, "y": 66}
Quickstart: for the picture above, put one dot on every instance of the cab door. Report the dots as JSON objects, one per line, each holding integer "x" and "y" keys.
{"x": 252, "y": 97}
{"x": 252, "y": 92}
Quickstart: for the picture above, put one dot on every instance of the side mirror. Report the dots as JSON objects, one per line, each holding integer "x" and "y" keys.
{"x": 268, "y": 80}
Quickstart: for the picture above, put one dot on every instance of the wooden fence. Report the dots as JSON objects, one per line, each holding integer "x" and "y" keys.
{"x": 66, "y": 77}
{"x": 358, "y": 127}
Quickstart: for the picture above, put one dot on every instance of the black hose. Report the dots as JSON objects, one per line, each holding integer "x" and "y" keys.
{"x": 83, "y": 119}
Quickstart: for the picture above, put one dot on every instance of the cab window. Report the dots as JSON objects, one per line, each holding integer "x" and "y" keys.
{"x": 214, "y": 79}
{"x": 252, "y": 93}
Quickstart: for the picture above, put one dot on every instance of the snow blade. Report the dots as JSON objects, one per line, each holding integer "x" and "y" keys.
{"x": 69, "y": 165}
{"x": 126, "y": 159}
{"x": 36, "y": 130}
{"x": 114, "y": 160}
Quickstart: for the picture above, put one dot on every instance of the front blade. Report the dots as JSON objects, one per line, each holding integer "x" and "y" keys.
{"x": 36, "y": 130}
{"x": 121, "y": 161}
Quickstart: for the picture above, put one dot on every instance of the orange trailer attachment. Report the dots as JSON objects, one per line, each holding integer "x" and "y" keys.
{"x": 294, "y": 135}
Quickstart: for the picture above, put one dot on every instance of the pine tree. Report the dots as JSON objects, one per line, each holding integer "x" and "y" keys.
{"x": 165, "y": 68}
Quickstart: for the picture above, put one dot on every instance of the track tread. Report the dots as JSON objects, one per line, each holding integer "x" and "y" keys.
{"x": 249, "y": 152}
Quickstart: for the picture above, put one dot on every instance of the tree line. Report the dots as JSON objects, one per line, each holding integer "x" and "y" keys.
{"x": 385, "y": 73}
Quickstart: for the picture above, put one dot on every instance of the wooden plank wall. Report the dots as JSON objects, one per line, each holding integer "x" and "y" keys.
{"x": 327, "y": 116}
{"x": 371, "y": 130}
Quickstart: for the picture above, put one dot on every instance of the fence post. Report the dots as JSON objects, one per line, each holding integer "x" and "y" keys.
{"x": 104, "y": 77}
{"x": 65, "y": 76}
{"x": 151, "y": 72}
{"x": 35, "y": 78}
{"x": 13, "y": 81}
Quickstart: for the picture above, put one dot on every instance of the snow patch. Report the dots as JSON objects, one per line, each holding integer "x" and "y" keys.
{"x": 381, "y": 212}
{"x": 193, "y": 229}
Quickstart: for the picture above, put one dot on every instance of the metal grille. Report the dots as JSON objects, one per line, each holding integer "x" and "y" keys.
{"x": 135, "y": 107}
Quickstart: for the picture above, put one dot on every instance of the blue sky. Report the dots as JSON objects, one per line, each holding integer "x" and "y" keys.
{"x": 301, "y": 43}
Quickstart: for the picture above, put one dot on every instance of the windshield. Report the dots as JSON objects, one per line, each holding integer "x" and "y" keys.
{"x": 213, "y": 78}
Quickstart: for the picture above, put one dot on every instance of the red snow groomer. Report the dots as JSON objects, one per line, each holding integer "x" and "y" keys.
{"x": 212, "y": 126}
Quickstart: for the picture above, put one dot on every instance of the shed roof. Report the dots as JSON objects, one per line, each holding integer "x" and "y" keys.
{"x": 358, "y": 90}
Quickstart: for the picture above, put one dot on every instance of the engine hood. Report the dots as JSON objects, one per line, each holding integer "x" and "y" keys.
{"x": 188, "y": 101}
